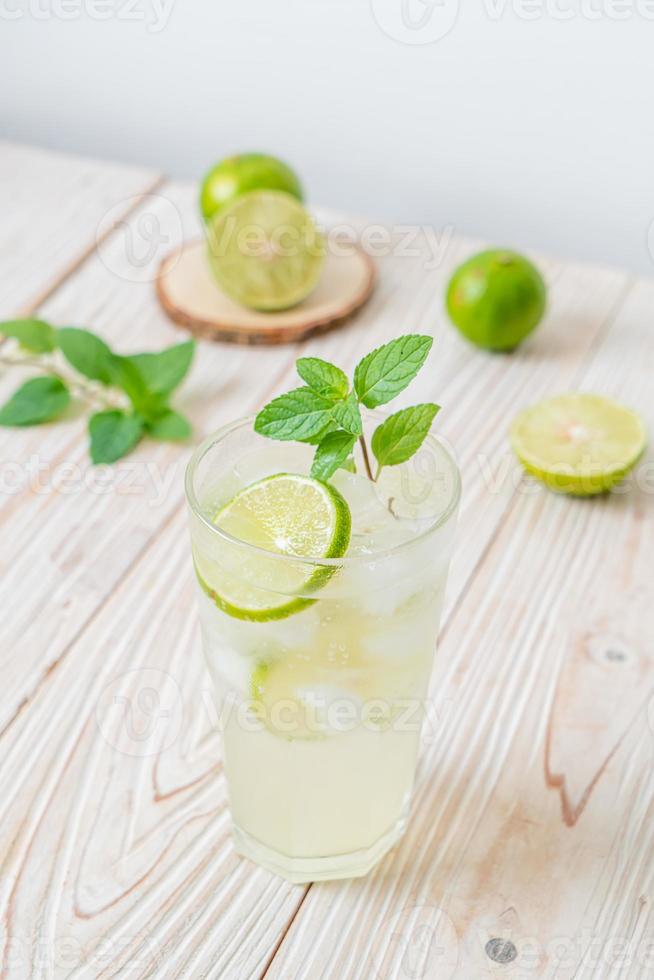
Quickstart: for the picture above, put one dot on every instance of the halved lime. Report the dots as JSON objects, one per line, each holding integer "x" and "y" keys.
{"x": 265, "y": 250}
{"x": 578, "y": 443}
{"x": 287, "y": 514}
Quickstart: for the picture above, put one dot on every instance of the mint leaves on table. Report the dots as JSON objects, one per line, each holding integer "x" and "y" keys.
{"x": 38, "y": 400}
{"x": 326, "y": 412}
{"x": 132, "y": 392}
{"x": 34, "y": 335}
{"x": 113, "y": 434}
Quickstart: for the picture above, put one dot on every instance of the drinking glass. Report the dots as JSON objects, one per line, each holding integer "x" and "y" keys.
{"x": 321, "y": 695}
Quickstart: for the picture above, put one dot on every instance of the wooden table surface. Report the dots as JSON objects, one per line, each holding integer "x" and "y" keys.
{"x": 529, "y": 851}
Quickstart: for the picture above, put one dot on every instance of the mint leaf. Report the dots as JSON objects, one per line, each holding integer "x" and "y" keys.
{"x": 331, "y": 454}
{"x": 348, "y": 415}
{"x": 164, "y": 370}
{"x": 170, "y": 426}
{"x": 402, "y": 434}
{"x": 38, "y": 400}
{"x": 298, "y": 414}
{"x": 35, "y": 335}
{"x": 127, "y": 376}
{"x": 323, "y": 377}
{"x": 387, "y": 371}
{"x": 113, "y": 434}
{"x": 87, "y": 353}
{"x": 319, "y": 436}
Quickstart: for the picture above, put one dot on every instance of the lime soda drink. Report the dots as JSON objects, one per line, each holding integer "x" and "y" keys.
{"x": 320, "y": 665}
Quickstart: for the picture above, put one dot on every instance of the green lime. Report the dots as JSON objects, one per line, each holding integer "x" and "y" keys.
{"x": 578, "y": 443}
{"x": 240, "y": 174}
{"x": 265, "y": 251}
{"x": 496, "y": 299}
{"x": 287, "y": 514}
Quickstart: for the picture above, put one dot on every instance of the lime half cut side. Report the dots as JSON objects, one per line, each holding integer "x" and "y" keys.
{"x": 287, "y": 514}
{"x": 265, "y": 251}
{"x": 579, "y": 443}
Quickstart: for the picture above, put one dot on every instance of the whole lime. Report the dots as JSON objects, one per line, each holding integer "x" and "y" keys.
{"x": 496, "y": 299}
{"x": 240, "y": 174}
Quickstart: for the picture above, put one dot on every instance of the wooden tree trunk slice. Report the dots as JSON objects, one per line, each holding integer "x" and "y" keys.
{"x": 192, "y": 299}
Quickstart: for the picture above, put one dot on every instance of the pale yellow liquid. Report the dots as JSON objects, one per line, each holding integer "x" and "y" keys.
{"x": 299, "y": 785}
{"x": 312, "y": 795}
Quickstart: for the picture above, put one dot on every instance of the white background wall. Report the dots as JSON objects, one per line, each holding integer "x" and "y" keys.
{"x": 529, "y": 122}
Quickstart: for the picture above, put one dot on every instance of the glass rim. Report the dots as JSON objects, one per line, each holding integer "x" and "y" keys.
{"x": 220, "y": 434}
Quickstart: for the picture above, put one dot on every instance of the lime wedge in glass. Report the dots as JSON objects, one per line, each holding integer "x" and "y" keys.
{"x": 293, "y": 695}
{"x": 265, "y": 250}
{"x": 287, "y": 514}
{"x": 578, "y": 443}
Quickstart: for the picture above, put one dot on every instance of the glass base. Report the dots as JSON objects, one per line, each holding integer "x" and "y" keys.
{"x": 303, "y": 870}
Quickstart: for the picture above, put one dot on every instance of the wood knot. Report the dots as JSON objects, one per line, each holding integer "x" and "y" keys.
{"x": 501, "y": 950}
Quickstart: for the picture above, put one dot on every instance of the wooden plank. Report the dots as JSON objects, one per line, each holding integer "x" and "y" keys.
{"x": 53, "y": 207}
{"x": 59, "y": 586}
{"x": 125, "y": 852}
{"x": 533, "y": 822}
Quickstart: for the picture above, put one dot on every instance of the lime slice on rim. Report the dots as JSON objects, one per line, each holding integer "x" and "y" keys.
{"x": 265, "y": 251}
{"x": 287, "y": 514}
{"x": 578, "y": 443}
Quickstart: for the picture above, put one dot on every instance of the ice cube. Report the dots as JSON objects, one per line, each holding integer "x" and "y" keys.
{"x": 268, "y": 460}
{"x": 375, "y": 525}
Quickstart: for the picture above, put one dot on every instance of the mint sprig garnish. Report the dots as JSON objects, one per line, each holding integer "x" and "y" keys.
{"x": 332, "y": 453}
{"x": 402, "y": 434}
{"x": 388, "y": 370}
{"x": 130, "y": 393}
{"x": 296, "y": 416}
{"x": 326, "y": 412}
{"x": 323, "y": 377}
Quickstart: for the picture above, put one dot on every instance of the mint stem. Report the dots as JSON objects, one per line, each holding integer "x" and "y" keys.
{"x": 366, "y": 458}
{"x": 76, "y": 384}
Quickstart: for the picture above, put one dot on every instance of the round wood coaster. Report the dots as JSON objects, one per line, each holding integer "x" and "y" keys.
{"x": 191, "y": 297}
